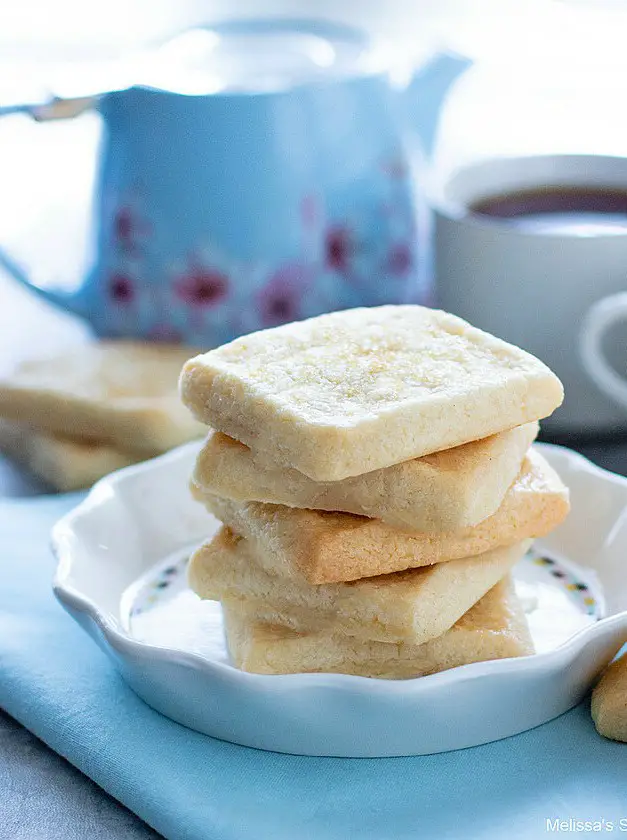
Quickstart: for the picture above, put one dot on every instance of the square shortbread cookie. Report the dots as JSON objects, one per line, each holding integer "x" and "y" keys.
{"x": 116, "y": 392}
{"x": 444, "y": 491}
{"x": 495, "y": 628}
{"x": 325, "y": 547}
{"x": 412, "y": 606}
{"x": 351, "y": 392}
{"x": 63, "y": 463}
{"x": 609, "y": 701}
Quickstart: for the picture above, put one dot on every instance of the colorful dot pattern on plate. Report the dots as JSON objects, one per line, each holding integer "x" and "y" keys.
{"x": 159, "y": 608}
{"x": 171, "y": 574}
{"x": 577, "y": 588}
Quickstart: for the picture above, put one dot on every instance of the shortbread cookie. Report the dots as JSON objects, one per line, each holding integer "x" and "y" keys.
{"x": 495, "y": 628}
{"x": 412, "y": 606}
{"x": 63, "y": 463}
{"x": 325, "y": 547}
{"x": 444, "y": 491}
{"x": 121, "y": 393}
{"x": 351, "y": 392}
{"x": 609, "y": 701}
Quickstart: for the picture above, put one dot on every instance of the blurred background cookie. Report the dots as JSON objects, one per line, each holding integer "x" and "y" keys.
{"x": 61, "y": 462}
{"x": 75, "y": 416}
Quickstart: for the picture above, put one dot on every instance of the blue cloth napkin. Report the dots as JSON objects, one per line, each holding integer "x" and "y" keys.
{"x": 56, "y": 682}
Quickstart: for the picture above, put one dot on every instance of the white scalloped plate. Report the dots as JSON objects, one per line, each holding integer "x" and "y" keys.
{"x": 122, "y": 555}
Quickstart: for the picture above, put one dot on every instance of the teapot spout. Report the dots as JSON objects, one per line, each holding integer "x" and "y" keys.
{"x": 427, "y": 90}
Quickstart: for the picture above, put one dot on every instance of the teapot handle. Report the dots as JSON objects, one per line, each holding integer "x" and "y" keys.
{"x": 44, "y": 112}
{"x": 57, "y": 109}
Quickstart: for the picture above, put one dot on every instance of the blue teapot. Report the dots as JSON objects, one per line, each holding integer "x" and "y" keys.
{"x": 253, "y": 173}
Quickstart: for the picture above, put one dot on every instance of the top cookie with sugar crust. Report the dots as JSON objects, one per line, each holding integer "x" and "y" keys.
{"x": 350, "y": 392}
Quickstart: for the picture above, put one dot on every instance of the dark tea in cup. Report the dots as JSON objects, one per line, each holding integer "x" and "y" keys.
{"x": 560, "y": 208}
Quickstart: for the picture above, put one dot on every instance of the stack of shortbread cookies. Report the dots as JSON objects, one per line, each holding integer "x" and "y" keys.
{"x": 373, "y": 472}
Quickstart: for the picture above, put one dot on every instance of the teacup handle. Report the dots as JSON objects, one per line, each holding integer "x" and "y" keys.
{"x": 599, "y": 318}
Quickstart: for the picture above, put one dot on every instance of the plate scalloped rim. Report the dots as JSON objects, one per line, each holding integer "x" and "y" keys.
{"x": 253, "y": 709}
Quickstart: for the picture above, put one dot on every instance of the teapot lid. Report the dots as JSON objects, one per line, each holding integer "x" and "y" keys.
{"x": 255, "y": 56}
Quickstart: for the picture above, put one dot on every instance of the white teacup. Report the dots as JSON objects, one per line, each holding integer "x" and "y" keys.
{"x": 553, "y": 283}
